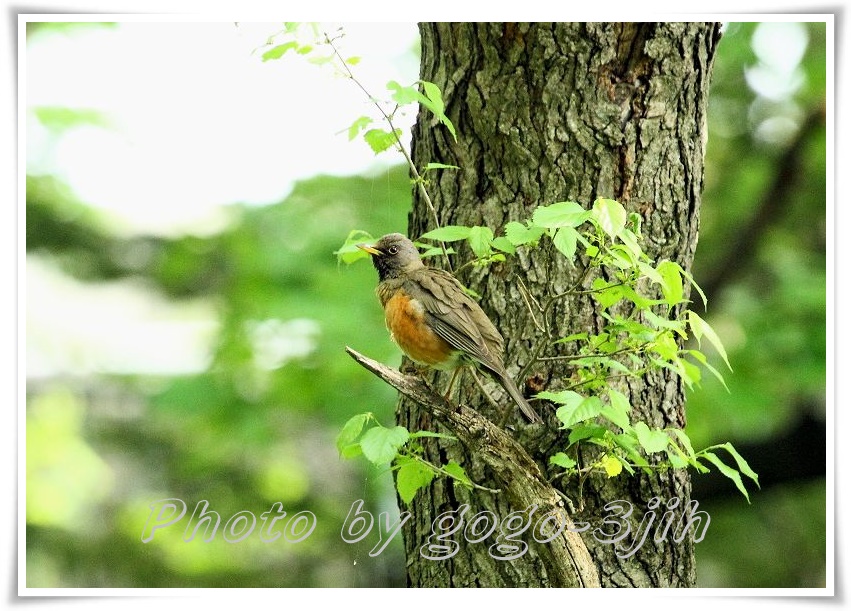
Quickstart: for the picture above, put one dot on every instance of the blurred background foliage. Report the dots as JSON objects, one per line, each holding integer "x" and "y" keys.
{"x": 249, "y": 418}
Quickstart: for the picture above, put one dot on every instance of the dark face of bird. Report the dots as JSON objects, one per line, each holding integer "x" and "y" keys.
{"x": 393, "y": 255}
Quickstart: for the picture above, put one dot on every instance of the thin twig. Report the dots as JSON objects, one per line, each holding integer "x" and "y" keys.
{"x": 631, "y": 374}
{"x": 482, "y": 388}
{"x": 528, "y": 298}
{"x": 389, "y": 119}
{"x": 546, "y": 337}
{"x": 576, "y": 357}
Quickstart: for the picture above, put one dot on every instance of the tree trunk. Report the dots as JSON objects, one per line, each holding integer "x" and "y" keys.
{"x": 547, "y": 113}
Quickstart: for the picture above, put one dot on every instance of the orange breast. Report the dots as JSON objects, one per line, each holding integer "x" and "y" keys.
{"x": 406, "y": 322}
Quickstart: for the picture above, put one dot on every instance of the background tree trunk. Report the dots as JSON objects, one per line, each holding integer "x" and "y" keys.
{"x": 547, "y": 113}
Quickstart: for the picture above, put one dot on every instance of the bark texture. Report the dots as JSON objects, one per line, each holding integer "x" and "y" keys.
{"x": 547, "y": 113}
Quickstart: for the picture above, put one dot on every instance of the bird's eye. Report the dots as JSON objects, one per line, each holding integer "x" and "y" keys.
{"x": 392, "y": 250}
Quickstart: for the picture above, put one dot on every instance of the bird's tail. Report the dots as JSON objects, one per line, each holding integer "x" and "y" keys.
{"x": 509, "y": 385}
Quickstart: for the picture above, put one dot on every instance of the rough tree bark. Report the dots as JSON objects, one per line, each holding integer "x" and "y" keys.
{"x": 547, "y": 113}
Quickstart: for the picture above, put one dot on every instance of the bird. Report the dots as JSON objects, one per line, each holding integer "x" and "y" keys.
{"x": 433, "y": 320}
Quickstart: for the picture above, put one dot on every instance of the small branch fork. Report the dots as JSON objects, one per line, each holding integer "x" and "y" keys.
{"x": 566, "y": 557}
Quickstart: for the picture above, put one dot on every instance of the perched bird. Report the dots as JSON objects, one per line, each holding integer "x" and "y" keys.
{"x": 432, "y": 319}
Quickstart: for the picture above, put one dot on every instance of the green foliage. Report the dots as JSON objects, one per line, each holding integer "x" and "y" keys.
{"x": 379, "y": 140}
{"x": 58, "y": 119}
{"x": 628, "y": 346}
{"x": 397, "y": 448}
{"x": 349, "y": 251}
{"x": 378, "y": 132}
{"x": 430, "y": 98}
{"x": 643, "y": 304}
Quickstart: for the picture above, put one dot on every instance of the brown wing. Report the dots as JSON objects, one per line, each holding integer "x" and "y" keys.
{"x": 455, "y": 317}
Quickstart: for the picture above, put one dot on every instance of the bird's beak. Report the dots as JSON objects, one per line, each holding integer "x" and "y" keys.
{"x": 370, "y": 249}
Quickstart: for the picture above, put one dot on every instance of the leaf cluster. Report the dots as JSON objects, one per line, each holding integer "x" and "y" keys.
{"x": 398, "y": 449}
{"x": 643, "y": 302}
{"x": 647, "y": 323}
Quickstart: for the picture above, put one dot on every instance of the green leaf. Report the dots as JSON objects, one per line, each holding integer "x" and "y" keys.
{"x": 440, "y": 166}
{"x": 565, "y": 241}
{"x": 639, "y": 300}
{"x": 560, "y": 214}
{"x": 631, "y": 242}
{"x": 352, "y": 430}
{"x": 619, "y": 401}
{"x": 684, "y": 440}
{"x": 727, "y": 471}
{"x": 689, "y": 371}
{"x": 672, "y": 282}
{"x": 278, "y": 51}
{"x": 59, "y": 118}
{"x": 743, "y": 465}
{"x": 449, "y": 233}
{"x": 353, "y": 61}
{"x": 562, "y": 397}
{"x": 610, "y": 215}
{"x": 690, "y": 278}
{"x": 604, "y": 342}
{"x": 432, "y": 92}
{"x": 614, "y": 365}
{"x": 434, "y": 251}
{"x": 380, "y": 140}
{"x": 519, "y": 234}
{"x": 404, "y": 95}
{"x": 617, "y": 257}
{"x": 562, "y": 460}
{"x": 651, "y": 440}
{"x": 434, "y": 102}
{"x": 677, "y": 461}
{"x": 457, "y": 472}
{"x": 624, "y": 255}
{"x": 651, "y": 272}
{"x": 629, "y": 444}
{"x": 571, "y": 414}
{"x": 618, "y": 409}
{"x": 349, "y": 252}
{"x": 677, "y": 326}
{"x": 605, "y": 294}
{"x": 358, "y": 126}
{"x": 411, "y": 476}
{"x": 702, "y": 359}
{"x": 573, "y": 338}
{"x": 351, "y": 451}
{"x": 430, "y": 250}
{"x": 381, "y": 444}
{"x": 504, "y": 244}
{"x": 634, "y": 221}
{"x": 319, "y": 60}
{"x": 480, "y": 241}
{"x": 700, "y": 327}
{"x": 666, "y": 346}
{"x": 586, "y": 431}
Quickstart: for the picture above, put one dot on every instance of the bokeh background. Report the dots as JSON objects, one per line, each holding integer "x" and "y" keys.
{"x": 186, "y": 318}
